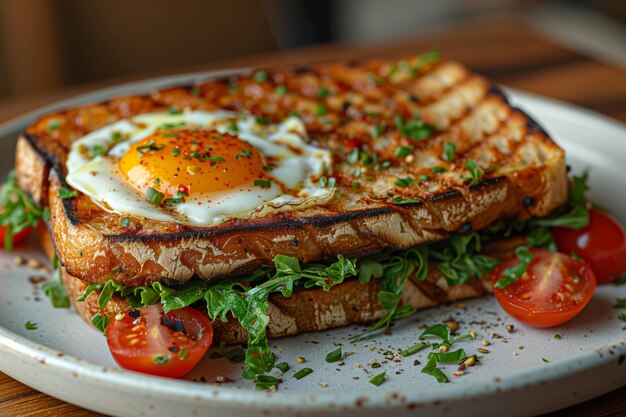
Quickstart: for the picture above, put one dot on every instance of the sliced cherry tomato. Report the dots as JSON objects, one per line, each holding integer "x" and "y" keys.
{"x": 602, "y": 244}
{"x": 17, "y": 238}
{"x": 153, "y": 342}
{"x": 554, "y": 288}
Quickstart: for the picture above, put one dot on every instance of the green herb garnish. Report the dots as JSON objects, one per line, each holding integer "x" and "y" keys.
{"x": 18, "y": 212}
{"x": 414, "y": 349}
{"x": 414, "y": 129}
{"x": 30, "y": 325}
{"x": 153, "y": 196}
{"x": 302, "y": 373}
{"x": 474, "y": 170}
{"x": 449, "y": 150}
{"x": 514, "y": 273}
{"x": 403, "y": 151}
{"x": 65, "y": 193}
{"x": 260, "y": 76}
{"x": 282, "y": 366}
{"x": 404, "y": 182}
{"x": 334, "y": 356}
{"x": 378, "y": 379}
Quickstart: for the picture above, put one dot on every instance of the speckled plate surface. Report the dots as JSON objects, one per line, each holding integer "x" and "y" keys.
{"x": 526, "y": 372}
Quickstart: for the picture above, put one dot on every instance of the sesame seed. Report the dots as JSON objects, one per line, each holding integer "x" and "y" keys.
{"x": 458, "y": 373}
{"x": 481, "y": 350}
{"x": 443, "y": 348}
{"x": 18, "y": 260}
{"x": 472, "y": 334}
{"x": 300, "y": 359}
{"x": 485, "y": 342}
{"x": 34, "y": 263}
{"x": 471, "y": 361}
{"x": 119, "y": 316}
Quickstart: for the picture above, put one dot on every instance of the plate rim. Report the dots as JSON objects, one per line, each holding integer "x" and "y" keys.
{"x": 21, "y": 347}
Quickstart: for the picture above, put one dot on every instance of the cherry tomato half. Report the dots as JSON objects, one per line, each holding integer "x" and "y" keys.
{"x": 153, "y": 342}
{"x": 553, "y": 290}
{"x": 17, "y": 238}
{"x": 602, "y": 244}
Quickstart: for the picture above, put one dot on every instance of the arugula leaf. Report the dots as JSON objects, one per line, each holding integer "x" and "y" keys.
{"x": 432, "y": 370}
{"x": 513, "y": 273}
{"x": 575, "y": 213}
{"x": 397, "y": 269}
{"x": 17, "y": 210}
{"x": 55, "y": 291}
{"x": 100, "y": 322}
{"x": 438, "y": 330}
{"x": 449, "y": 357}
{"x": 459, "y": 258}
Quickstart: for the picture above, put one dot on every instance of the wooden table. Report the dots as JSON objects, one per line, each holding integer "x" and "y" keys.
{"x": 506, "y": 50}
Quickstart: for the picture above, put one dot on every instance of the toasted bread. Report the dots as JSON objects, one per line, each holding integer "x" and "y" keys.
{"x": 308, "y": 309}
{"x": 524, "y": 172}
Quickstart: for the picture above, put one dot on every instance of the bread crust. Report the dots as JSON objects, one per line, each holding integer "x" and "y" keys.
{"x": 93, "y": 246}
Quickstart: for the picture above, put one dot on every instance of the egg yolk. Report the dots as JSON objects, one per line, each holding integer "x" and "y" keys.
{"x": 191, "y": 161}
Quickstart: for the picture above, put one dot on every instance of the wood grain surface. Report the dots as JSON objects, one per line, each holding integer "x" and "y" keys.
{"x": 506, "y": 50}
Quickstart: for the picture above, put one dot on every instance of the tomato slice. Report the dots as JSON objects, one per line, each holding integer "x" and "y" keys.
{"x": 17, "y": 238}
{"x": 153, "y": 342}
{"x": 554, "y": 288}
{"x": 602, "y": 244}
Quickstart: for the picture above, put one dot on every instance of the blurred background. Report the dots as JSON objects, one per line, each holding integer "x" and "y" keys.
{"x": 46, "y": 45}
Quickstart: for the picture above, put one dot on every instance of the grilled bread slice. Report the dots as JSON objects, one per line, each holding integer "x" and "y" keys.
{"x": 311, "y": 309}
{"x": 368, "y": 107}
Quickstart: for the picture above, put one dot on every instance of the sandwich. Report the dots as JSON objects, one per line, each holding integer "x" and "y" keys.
{"x": 291, "y": 200}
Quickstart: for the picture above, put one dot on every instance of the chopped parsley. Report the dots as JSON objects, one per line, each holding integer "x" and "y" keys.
{"x": 323, "y": 92}
{"x": 403, "y": 151}
{"x": 281, "y": 90}
{"x": 282, "y": 366}
{"x": 378, "y": 379}
{"x": 474, "y": 170}
{"x": 449, "y": 151}
{"x": 125, "y": 221}
{"x": 262, "y": 183}
{"x": 415, "y": 129}
{"x": 153, "y": 196}
{"x": 404, "y": 182}
{"x": 30, "y": 325}
{"x": 402, "y": 200}
{"x": 260, "y": 76}
{"x": 334, "y": 356}
{"x": 320, "y": 109}
{"x": 65, "y": 193}
{"x": 438, "y": 170}
{"x": 53, "y": 125}
{"x": 302, "y": 373}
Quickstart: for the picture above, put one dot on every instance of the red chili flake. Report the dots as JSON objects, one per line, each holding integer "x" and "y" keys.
{"x": 255, "y": 355}
{"x": 336, "y": 158}
{"x": 329, "y": 281}
{"x": 462, "y": 366}
{"x": 342, "y": 87}
{"x": 353, "y": 143}
{"x": 183, "y": 189}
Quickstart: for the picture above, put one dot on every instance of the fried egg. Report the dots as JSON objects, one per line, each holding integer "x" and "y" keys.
{"x": 199, "y": 168}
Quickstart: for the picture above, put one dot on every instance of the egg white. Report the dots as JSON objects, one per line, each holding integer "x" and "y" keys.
{"x": 299, "y": 167}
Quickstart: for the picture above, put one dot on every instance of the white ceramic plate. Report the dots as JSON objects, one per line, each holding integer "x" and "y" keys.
{"x": 66, "y": 359}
